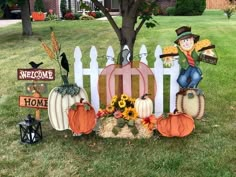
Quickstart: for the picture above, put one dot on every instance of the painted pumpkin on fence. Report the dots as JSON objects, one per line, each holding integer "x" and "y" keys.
{"x": 144, "y": 106}
{"x": 192, "y": 102}
{"x": 59, "y": 103}
{"x": 82, "y": 118}
{"x": 175, "y": 125}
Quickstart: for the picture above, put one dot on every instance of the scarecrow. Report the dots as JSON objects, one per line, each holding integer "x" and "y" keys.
{"x": 190, "y": 52}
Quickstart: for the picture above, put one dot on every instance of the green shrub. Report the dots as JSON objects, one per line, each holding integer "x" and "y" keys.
{"x": 170, "y": 11}
{"x": 190, "y": 7}
{"x": 77, "y": 16}
{"x": 99, "y": 14}
{"x": 51, "y": 17}
{"x": 39, "y": 6}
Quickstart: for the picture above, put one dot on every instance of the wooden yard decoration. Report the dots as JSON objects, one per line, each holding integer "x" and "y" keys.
{"x": 134, "y": 79}
{"x": 190, "y": 51}
{"x": 62, "y": 97}
{"x": 34, "y": 74}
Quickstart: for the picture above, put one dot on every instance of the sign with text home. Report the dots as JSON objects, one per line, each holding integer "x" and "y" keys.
{"x": 36, "y": 74}
{"x": 33, "y": 102}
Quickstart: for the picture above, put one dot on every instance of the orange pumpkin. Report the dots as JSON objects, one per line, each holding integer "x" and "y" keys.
{"x": 178, "y": 124}
{"x": 82, "y": 118}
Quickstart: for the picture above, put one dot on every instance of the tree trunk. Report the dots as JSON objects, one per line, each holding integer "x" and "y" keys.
{"x": 26, "y": 21}
{"x": 128, "y": 35}
{"x": 129, "y": 19}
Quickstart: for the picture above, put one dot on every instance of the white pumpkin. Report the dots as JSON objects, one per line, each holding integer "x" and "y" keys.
{"x": 144, "y": 106}
{"x": 191, "y": 102}
{"x": 58, "y": 107}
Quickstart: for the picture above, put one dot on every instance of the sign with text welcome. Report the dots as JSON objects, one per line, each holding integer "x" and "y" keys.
{"x": 36, "y": 74}
{"x": 33, "y": 102}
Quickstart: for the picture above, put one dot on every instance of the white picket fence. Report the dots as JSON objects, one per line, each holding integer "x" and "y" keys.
{"x": 158, "y": 70}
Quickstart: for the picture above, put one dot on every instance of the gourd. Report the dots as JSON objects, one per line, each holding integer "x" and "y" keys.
{"x": 192, "y": 102}
{"x": 175, "y": 125}
{"x": 144, "y": 106}
{"x": 59, "y": 102}
{"x": 82, "y": 117}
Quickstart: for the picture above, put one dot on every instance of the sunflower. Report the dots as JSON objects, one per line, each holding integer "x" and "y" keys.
{"x": 122, "y": 103}
{"x": 115, "y": 97}
{"x": 110, "y": 108}
{"x": 113, "y": 102}
{"x": 124, "y": 97}
{"x": 132, "y": 100}
{"x": 130, "y": 113}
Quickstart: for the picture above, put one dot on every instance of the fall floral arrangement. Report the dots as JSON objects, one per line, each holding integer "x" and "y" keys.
{"x": 121, "y": 110}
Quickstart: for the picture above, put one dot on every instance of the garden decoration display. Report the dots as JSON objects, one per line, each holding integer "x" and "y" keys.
{"x": 36, "y": 74}
{"x": 82, "y": 118}
{"x": 190, "y": 51}
{"x": 120, "y": 120}
{"x": 175, "y": 125}
{"x": 61, "y": 98}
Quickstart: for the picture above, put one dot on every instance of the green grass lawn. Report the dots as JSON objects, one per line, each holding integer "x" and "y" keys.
{"x": 210, "y": 151}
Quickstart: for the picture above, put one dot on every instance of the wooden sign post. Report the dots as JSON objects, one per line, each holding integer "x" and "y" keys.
{"x": 35, "y": 101}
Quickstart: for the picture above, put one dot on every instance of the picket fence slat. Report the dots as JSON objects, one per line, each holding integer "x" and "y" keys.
{"x": 159, "y": 72}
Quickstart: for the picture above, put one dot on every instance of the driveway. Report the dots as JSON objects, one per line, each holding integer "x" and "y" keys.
{"x": 4, "y": 23}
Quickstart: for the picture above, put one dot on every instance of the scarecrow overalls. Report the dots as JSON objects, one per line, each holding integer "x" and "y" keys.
{"x": 190, "y": 74}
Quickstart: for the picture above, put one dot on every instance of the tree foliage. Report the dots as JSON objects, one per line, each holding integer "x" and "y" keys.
{"x": 135, "y": 14}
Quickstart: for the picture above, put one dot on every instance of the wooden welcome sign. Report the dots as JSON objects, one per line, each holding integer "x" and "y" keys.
{"x": 36, "y": 74}
{"x": 35, "y": 101}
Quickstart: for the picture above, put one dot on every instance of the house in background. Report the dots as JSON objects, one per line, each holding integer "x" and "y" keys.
{"x": 111, "y": 5}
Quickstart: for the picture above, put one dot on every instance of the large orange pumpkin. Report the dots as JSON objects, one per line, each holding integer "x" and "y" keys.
{"x": 82, "y": 118}
{"x": 178, "y": 124}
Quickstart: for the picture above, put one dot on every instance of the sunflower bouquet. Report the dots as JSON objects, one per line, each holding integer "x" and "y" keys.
{"x": 120, "y": 119}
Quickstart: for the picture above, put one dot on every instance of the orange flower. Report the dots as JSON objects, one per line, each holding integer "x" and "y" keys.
{"x": 149, "y": 122}
{"x": 110, "y": 109}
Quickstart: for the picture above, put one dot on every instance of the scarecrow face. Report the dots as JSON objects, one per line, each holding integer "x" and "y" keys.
{"x": 186, "y": 44}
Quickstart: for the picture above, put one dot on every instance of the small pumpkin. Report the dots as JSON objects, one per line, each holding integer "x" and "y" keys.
{"x": 192, "y": 102}
{"x": 82, "y": 117}
{"x": 144, "y": 106}
{"x": 175, "y": 125}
